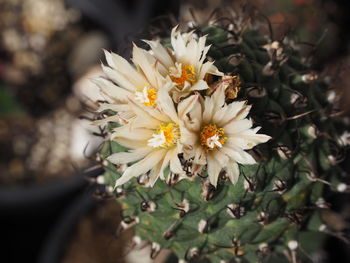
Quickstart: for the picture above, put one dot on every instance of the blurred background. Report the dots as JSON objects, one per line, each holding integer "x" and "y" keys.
{"x": 53, "y": 205}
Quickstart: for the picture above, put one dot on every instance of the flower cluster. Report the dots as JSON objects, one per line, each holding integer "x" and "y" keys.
{"x": 172, "y": 112}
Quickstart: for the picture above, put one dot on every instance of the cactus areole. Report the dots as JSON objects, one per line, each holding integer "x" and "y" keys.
{"x": 220, "y": 145}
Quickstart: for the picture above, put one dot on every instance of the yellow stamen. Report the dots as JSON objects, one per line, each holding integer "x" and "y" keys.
{"x": 212, "y": 137}
{"x": 152, "y": 96}
{"x": 147, "y": 96}
{"x": 165, "y": 136}
{"x": 188, "y": 74}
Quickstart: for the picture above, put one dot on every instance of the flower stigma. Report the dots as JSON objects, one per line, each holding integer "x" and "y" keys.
{"x": 180, "y": 74}
{"x": 147, "y": 97}
{"x": 212, "y": 137}
{"x": 166, "y": 136}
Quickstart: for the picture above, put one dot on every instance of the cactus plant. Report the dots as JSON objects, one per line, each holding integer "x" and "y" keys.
{"x": 271, "y": 208}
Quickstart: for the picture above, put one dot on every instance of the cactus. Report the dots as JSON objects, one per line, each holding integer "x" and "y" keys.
{"x": 272, "y": 211}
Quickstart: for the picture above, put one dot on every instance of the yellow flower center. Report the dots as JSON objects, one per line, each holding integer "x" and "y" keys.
{"x": 165, "y": 136}
{"x": 212, "y": 137}
{"x": 147, "y": 96}
{"x": 183, "y": 73}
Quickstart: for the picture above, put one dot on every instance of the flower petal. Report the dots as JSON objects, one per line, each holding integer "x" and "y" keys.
{"x": 147, "y": 112}
{"x": 148, "y": 64}
{"x": 118, "y": 78}
{"x": 200, "y": 85}
{"x": 214, "y": 169}
{"x": 243, "y": 113}
{"x": 111, "y": 90}
{"x": 238, "y": 126}
{"x": 247, "y": 139}
{"x": 186, "y": 105}
{"x": 161, "y": 53}
{"x": 232, "y": 110}
{"x": 218, "y": 98}
{"x": 127, "y": 131}
{"x": 166, "y": 103}
{"x": 175, "y": 164}
{"x": 123, "y": 67}
{"x": 155, "y": 173}
{"x": 208, "y": 110}
{"x": 141, "y": 167}
{"x": 128, "y": 157}
{"x": 222, "y": 158}
{"x": 232, "y": 172}
{"x": 238, "y": 155}
{"x": 131, "y": 143}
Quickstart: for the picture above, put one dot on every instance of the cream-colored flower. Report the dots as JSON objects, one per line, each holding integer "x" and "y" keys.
{"x": 185, "y": 64}
{"x": 125, "y": 81}
{"x": 217, "y": 135}
{"x": 153, "y": 138}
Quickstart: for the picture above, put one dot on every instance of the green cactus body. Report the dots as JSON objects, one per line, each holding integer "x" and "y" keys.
{"x": 274, "y": 208}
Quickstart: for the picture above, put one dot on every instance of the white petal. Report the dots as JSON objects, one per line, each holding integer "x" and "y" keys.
{"x": 205, "y": 69}
{"x": 218, "y": 98}
{"x": 148, "y": 64}
{"x": 129, "y": 132}
{"x": 199, "y": 85}
{"x": 166, "y": 103}
{"x": 131, "y": 143}
{"x": 161, "y": 53}
{"x": 111, "y": 90}
{"x": 187, "y": 137}
{"x": 222, "y": 158}
{"x": 179, "y": 41}
{"x": 191, "y": 57}
{"x": 232, "y": 171}
{"x": 155, "y": 173}
{"x": 214, "y": 170}
{"x": 213, "y": 70}
{"x": 247, "y": 139}
{"x": 186, "y": 105}
{"x": 238, "y": 155}
{"x": 238, "y": 126}
{"x": 141, "y": 167}
{"x": 202, "y": 49}
{"x": 123, "y": 66}
{"x": 128, "y": 157}
{"x": 166, "y": 162}
{"x": 232, "y": 110}
{"x": 200, "y": 156}
{"x": 118, "y": 78}
{"x": 175, "y": 164}
{"x": 219, "y": 115}
{"x": 126, "y": 115}
{"x": 208, "y": 110}
{"x": 147, "y": 112}
{"x": 243, "y": 113}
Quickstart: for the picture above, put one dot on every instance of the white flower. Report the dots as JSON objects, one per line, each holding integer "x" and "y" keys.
{"x": 127, "y": 81}
{"x": 153, "y": 138}
{"x": 218, "y": 134}
{"x": 185, "y": 65}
